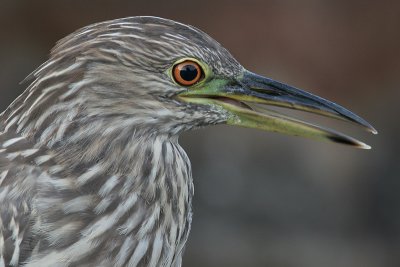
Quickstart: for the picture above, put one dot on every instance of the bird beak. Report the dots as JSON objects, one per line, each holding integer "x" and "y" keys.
{"x": 238, "y": 99}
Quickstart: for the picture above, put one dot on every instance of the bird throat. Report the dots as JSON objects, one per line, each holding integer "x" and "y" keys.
{"x": 130, "y": 196}
{"x": 143, "y": 189}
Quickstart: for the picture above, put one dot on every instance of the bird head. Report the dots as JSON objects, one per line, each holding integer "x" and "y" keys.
{"x": 165, "y": 77}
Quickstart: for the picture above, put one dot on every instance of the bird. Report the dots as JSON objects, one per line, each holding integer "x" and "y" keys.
{"x": 91, "y": 171}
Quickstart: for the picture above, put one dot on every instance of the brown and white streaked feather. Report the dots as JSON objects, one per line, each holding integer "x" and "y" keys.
{"x": 91, "y": 172}
{"x": 138, "y": 222}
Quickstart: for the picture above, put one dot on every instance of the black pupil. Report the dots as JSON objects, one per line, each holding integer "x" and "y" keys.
{"x": 188, "y": 72}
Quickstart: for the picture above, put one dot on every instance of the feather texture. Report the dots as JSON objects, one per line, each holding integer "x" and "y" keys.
{"x": 91, "y": 172}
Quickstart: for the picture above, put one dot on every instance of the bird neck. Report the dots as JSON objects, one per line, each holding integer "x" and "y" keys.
{"x": 147, "y": 162}
{"x": 136, "y": 179}
{"x": 119, "y": 189}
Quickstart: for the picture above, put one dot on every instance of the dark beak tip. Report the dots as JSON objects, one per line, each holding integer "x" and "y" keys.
{"x": 365, "y": 146}
{"x": 253, "y": 80}
{"x": 367, "y": 126}
{"x": 373, "y": 130}
{"x": 348, "y": 141}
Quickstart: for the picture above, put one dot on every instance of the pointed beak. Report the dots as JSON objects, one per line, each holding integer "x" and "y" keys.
{"x": 251, "y": 88}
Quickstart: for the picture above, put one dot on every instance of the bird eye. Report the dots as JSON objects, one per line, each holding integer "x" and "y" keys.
{"x": 187, "y": 73}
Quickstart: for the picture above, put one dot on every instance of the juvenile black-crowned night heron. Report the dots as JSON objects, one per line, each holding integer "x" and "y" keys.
{"x": 91, "y": 172}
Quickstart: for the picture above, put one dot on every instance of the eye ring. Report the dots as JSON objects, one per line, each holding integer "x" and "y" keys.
{"x": 187, "y": 73}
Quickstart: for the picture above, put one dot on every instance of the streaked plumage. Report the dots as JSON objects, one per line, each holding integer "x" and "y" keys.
{"x": 91, "y": 172}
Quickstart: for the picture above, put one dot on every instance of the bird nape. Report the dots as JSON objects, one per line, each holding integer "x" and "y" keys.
{"x": 91, "y": 172}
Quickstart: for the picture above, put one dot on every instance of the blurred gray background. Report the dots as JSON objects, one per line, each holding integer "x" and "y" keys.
{"x": 263, "y": 199}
